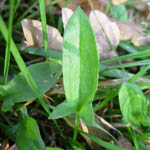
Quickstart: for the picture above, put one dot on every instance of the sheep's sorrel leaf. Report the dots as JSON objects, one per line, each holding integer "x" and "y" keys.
{"x": 133, "y": 104}
{"x": 80, "y": 62}
{"x": 28, "y": 135}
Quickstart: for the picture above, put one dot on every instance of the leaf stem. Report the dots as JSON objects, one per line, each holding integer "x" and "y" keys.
{"x": 76, "y": 127}
{"x": 133, "y": 136}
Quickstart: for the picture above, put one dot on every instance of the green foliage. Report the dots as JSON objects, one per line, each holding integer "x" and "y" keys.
{"x": 22, "y": 66}
{"x": 44, "y": 28}
{"x": 53, "y": 148}
{"x": 119, "y": 12}
{"x": 62, "y": 110}
{"x": 52, "y": 54}
{"x": 133, "y": 105}
{"x": 103, "y": 143}
{"x": 79, "y": 57}
{"x": 7, "y": 53}
{"x": 17, "y": 90}
{"x": 80, "y": 75}
{"x": 28, "y": 135}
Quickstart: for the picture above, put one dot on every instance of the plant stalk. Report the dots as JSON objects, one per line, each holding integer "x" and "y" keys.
{"x": 76, "y": 127}
{"x": 133, "y": 136}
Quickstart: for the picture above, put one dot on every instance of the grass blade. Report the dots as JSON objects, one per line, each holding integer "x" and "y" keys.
{"x": 7, "y": 53}
{"x": 140, "y": 73}
{"x": 136, "y": 63}
{"x": 44, "y": 28}
{"x": 141, "y": 54}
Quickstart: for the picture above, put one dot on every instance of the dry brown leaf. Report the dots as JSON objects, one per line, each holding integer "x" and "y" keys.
{"x": 134, "y": 32}
{"x": 14, "y": 147}
{"x": 66, "y": 14}
{"x": 118, "y": 2}
{"x": 34, "y": 37}
{"x": 5, "y": 145}
{"x": 98, "y": 4}
{"x": 123, "y": 142}
{"x": 100, "y": 22}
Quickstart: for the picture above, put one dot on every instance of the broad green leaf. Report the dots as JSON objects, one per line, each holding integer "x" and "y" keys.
{"x": 80, "y": 66}
{"x": 133, "y": 104}
{"x": 28, "y": 135}
{"x": 87, "y": 114}
{"x": 17, "y": 90}
{"x": 119, "y": 12}
{"x": 63, "y": 110}
{"x": 80, "y": 60}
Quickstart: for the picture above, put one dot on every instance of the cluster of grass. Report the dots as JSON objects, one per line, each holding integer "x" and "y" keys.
{"x": 25, "y": 101}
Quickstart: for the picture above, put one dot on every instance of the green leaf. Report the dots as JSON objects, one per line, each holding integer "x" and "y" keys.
{"x": 53, "y": 148}
{"x": 119, "y": 12}
{"x": 28, "y": 135}
{"x": 103, "y": 143}
{"x": 114, "y": 73}
{"x": 62, "y": 110}
{"x": 17, "y": 90}
{"x": 133, "y": 104}
{"x": 87, "y": 114}
{"x": 40, "y": 52}
{"x": 22, "y": 66}
{"x": 80, "y": 60}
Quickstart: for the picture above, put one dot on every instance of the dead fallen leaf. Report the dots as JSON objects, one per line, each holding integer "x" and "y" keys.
{"x": 5, "y": 145}
{"x": 148, "y": 147}
{"x": 14, "y": 147}
{"x": 123, "y": 142}
{"x": 134, "y": 32}
{"x": 98, "y": 4}
{"x": 104, "y": 28}
{"x": 32, "y": 30}
{"x": 66, "y": 14}
{"x": 118, "y": 2}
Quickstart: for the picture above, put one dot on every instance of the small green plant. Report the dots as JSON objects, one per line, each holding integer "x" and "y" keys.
{"x": 20, "y": 99}
{"x": 80, "y": 70}
{"x": 134, "y": 105}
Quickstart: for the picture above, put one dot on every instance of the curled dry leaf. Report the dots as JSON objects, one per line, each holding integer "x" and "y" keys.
{"x": 32, "y": 30}
{"x": 98, "y": 4}
{"x": 99, "y": 21}
{"x": 105, "y": 30}
{"x": 118, "y": 2}
{"x": 134, "y": 32}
